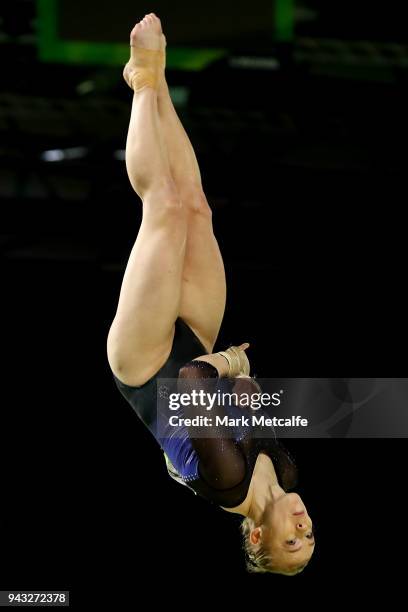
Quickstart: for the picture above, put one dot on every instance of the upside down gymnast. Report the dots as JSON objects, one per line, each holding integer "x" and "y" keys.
{"x": 169, "y": 314}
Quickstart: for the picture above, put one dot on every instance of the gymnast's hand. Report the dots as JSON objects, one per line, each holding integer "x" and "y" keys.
{"x": 237, "y": 360}
{"x": 230, "y": 363}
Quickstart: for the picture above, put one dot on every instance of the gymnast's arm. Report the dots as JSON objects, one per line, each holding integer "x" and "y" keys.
{"x": 221, "y": 461}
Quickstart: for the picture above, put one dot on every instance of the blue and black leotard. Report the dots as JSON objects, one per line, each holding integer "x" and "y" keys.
{"x": 218, "y": 468}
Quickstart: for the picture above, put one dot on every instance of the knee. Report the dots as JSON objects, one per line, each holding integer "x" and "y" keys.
{"x": 195, "y": 201}
{"x": 163, "y": 204}
{"x": 163, "y": 190}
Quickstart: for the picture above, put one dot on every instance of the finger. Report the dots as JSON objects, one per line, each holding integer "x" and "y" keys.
{"x": 244, "y": 346}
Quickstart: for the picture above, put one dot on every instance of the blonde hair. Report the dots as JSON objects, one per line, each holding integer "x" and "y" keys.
{"x": 257, "y": 560}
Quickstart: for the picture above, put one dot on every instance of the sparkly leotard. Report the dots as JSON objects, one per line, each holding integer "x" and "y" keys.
{"x": 219, "y": 468}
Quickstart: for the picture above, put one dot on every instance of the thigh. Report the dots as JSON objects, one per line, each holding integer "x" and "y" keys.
{"x": 142, "y": 331}
{"x": 203, "y": 289}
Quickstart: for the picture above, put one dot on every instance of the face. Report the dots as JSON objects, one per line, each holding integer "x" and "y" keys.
{"x": 288, "y": 533}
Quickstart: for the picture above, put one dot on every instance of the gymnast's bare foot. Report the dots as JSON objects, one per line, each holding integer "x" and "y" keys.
{"x": 146, "y": 35}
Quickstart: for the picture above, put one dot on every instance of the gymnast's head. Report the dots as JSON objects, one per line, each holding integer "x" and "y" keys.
{"x": 283, "y": 542}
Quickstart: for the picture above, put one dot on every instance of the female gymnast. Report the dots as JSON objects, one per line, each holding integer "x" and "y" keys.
{"x": 169, "y": 314}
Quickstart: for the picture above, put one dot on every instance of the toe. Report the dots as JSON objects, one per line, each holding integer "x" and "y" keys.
{"x": 134, "y": 32}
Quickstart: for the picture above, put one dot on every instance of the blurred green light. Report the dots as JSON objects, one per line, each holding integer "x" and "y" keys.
{"x": 284, "y": 20}
{"x": 53, "y": 49}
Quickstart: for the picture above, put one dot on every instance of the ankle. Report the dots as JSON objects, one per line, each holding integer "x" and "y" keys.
{"x": 144, "y": 68}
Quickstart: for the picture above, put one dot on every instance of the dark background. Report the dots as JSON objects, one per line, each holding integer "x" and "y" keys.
{"x": 305, "y": 168}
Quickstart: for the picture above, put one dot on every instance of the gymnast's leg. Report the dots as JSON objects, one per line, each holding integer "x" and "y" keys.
{"x": 142, "y": 331}
{"x": 203, "y": 290}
